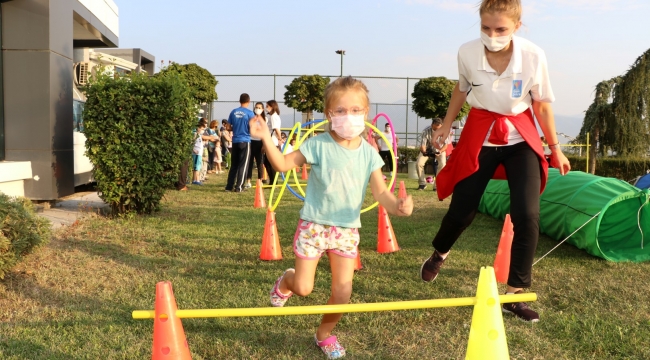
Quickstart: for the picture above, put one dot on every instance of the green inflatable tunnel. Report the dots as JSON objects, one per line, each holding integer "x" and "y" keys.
{"x": 620, "y": 231}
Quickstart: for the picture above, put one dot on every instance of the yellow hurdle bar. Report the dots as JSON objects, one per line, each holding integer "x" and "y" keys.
{"x": 333, "y": 309}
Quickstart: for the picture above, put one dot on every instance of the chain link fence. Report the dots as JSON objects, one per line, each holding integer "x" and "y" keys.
{"x": 388, "y": 95}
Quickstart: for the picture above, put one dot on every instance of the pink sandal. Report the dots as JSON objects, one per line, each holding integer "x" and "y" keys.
{"x": 331, "y": 347}
{"x": 278, "y": 299}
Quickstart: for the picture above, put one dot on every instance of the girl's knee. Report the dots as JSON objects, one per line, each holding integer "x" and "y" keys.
{"x": 341, "y": 293}
{"x": 302, "y": 289}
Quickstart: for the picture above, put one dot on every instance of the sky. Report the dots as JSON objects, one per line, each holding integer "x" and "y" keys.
{"x": 586, "y": 41}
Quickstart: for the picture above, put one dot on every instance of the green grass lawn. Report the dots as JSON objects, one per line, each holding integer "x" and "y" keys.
{"x": 73, "y": 298}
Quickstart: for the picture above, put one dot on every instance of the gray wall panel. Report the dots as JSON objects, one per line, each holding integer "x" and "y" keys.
{"x": 27, "y": 100}
{"x": 60, "y": 30}
{"x": 25, "y": 24}
{"x": 60, "y": 103}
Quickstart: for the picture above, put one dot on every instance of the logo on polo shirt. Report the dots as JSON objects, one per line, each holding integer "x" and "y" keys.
{"x": 516, "y": 88}
{"x": 476, "y": 84}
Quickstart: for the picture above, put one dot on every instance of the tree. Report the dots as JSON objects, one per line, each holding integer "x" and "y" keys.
{"x": 619, "y": 117}
{"x": 431, "y": 98}
{"x": 305, "y": 93}
{"x": 202, "y": 84}
{"x": 597, "y": 117}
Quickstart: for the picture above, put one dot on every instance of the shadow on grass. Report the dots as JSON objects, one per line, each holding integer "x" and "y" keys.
{"x": 78, "y": 306}
{"x": 24, "y": 349}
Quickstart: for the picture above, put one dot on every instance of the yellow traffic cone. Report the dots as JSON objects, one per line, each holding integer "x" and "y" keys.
{"x": 487, "y": 335}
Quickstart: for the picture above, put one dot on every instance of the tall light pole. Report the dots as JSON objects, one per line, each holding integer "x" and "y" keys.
{"x": 341, "y": 52}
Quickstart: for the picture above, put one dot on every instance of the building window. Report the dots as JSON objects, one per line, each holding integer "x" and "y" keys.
{"x": 77, "y": 115}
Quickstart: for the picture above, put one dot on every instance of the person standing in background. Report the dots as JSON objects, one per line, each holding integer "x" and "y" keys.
{"x": 241, "y": 144}
{"x": 256, "y": 151}
{"x": 275, "y": 123}
{"x": 384, "y": 148}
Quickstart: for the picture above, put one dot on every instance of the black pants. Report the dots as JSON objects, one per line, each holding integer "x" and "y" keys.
{"x": 257, "y": 155}
{"x": 211, "y": 154}
{"x": 524, "y": 177}
{"x": 239, "y": 156}
{"x": 270, "y": 170}
{"x": 182, "y": 176}
{"x": 388, "y": 160}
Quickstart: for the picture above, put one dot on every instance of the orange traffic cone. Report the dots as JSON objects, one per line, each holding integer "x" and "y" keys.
{"x": 169, "y": 340}
{"x": 305, "y": 175}
{"x": 358, "y": 265}
{"x": 502, "y": 259}
{"x": 270, "y": 240}
{"x": 402, "y": 191}
{"x": 259, "y": 195}
{"x": 386, "y": 240}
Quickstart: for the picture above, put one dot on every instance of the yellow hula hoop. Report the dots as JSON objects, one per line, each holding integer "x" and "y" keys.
{"x": 286, "y": 178}
{"x": 295, "y": 175}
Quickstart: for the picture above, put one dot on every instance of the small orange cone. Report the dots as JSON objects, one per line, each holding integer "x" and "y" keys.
{"x": 259, "y": 195}
{"x": 402, "y": 191}
{"x": 305, "y": 175}
{"x": 270, "y": 240}
{"x": 386, "y": 240}
{"x": 502, "y": 258}
{"x": 358, "y": 265}
{"x": 169, "y": 340}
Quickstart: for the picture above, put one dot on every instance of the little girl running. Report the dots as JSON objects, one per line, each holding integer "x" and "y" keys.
{"x": 342, "y": 164}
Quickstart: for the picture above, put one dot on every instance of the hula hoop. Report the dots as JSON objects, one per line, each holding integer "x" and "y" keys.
{"x": 320, "y": 123}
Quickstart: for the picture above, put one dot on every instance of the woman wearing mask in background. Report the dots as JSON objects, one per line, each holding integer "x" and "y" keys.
{"x": 213, "y": 130}
{"x": 256, "y": 150}
{"x": 275, "y": 123}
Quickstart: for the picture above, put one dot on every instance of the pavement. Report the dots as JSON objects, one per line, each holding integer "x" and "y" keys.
{"x": 66, "y": 211}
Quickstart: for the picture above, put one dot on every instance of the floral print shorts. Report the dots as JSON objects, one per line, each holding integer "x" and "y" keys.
{"x": 311, "y": 240}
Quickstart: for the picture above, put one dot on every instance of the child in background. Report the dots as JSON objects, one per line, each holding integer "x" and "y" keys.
{"x": 290, "y": 145}
{"x": 197, "y": 151}
{"x": 341, "y": 167}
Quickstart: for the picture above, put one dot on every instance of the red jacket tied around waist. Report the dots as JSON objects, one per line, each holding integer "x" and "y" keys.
{"x": 464, "y": 160}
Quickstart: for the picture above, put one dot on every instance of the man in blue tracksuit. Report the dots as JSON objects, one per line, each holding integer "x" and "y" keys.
{"x": 241, "y": 144}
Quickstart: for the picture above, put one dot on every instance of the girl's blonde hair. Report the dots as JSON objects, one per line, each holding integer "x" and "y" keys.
{"x": 510, "y": 7}
{"x": 334, "y": 90}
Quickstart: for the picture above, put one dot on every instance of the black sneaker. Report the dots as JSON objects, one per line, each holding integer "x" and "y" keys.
{"x": 431, "y": 267}
{"x": 521, "y": 310}
{"x": 422, "y": 187}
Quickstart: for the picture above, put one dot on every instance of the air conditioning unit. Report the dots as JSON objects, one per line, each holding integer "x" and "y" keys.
{"x": 81, "y": 73}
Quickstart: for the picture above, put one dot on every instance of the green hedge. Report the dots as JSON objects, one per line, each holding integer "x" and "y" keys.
{"x": 621, "y": 168}
{"x": 139, "y": 130}
{"x": 21, "y": 230}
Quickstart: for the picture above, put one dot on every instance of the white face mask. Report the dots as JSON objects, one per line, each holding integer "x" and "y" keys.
{"x": 348, "y": 126}
{"x": 258, "y": 111}
{"x": 495, "y": 43}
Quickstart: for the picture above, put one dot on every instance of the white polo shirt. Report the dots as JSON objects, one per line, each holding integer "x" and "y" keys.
{"x": 274, "y": 123}
{"x": 511, "y": 93}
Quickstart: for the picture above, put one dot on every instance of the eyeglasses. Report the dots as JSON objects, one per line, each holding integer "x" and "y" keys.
{"x": 342, "y": 111}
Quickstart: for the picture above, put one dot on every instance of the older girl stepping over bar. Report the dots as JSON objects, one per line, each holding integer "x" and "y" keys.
{"x": 502, "y": 77}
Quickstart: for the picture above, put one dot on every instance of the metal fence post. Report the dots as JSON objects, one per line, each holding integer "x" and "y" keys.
{"x": 407, "y": 111}
{"x": 274, "y": 86}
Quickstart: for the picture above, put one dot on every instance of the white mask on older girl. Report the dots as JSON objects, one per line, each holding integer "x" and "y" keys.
{"x": 495, "y": 43}
{"x": 258, "y": 111}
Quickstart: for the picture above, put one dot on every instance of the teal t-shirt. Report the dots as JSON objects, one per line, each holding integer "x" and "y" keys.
{"x": 337, "y": 181}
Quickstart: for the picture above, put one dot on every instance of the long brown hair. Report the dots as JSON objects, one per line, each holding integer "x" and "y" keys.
{"x": 275, "y": 109}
